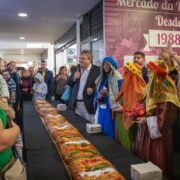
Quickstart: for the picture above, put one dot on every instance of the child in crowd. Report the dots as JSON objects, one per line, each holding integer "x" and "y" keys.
{"x": 39, "y": 89}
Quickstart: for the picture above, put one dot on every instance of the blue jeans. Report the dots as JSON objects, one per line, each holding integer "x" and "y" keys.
{"x": 48, "y": 96}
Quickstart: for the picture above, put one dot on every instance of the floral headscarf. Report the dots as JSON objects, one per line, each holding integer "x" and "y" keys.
{"x": 161, "y": 88}
{"x": 132, "y": 90}
{"x": 114, "y": 76}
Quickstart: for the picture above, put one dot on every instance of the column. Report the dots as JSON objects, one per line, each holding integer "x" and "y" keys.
{"x": 50, "y": 59}
{"x": 78, "y": 38}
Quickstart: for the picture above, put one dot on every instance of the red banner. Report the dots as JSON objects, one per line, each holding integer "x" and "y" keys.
{"x": 140, "y": 25}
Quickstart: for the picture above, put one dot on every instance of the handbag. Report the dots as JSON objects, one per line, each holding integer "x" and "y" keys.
{"x": 14, "y": 169}
{"x": 66, "y": 95}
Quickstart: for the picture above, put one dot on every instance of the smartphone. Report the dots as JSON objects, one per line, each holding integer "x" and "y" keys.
{"x": 101, "y": 100}
{"x": 115, "y": 106}
{"x": 20, "y": 68}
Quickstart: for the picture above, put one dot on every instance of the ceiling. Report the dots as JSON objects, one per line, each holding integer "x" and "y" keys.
{"x": 47, "y": 21}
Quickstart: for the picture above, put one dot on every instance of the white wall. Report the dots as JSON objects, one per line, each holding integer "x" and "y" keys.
{"x": 1, "y": 55}
{"x": 21, "y": 57}
{"x": 21, "y": 60}
{"x": 59, "y": 61}
{"x": 50, "y": 59}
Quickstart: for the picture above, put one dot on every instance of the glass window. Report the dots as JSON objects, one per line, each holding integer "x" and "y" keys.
{"x": 59, "y": 61}
{"x": 97, "y": 50}
{"x": 85, "y": 46}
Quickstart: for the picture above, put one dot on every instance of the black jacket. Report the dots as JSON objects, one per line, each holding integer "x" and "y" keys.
{"x": 49, "y": 80}
{"x": 90, "y": 83}
{"x": 29, "y": 83}
{"x": 144, "y": 74}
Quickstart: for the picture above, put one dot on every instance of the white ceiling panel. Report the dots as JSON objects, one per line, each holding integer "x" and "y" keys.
{"x": 47, "y": 21}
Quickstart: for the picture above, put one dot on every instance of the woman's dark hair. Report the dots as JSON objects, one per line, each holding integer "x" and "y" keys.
{"x": 72, "y": 68}
{"x": 62, "y": 67}
{"x": 104, "y": 75}
{"x": 25, "y": 71}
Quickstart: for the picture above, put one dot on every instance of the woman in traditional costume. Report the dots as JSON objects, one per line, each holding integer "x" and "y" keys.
{"x": 107, "y": 87}
{"x": 173, "y": 73}
{"x": 154, "y": 139}
{"x": 131, "y": 92}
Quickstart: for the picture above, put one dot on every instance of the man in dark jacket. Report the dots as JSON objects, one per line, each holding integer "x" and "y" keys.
{"x": 31, "y": 75}
{"x": 47, "y": 77}
{"x": 82, "y": 81}
{"x": 139, "y": 58}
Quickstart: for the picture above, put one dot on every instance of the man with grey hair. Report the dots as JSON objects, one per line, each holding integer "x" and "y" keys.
{"x": 82, "y": 81}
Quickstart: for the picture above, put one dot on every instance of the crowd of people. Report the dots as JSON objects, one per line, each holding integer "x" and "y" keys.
{"x": 102, "y": 95}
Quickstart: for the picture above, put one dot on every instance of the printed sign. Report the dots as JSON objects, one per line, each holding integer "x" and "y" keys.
{"x": 140, "y": 25}
{"x": 71, "y": 56}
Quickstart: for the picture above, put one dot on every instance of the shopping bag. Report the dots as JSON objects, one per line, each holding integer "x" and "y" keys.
{"x": 66, "y": 95}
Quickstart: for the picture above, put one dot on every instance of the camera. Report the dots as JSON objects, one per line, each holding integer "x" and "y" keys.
{"x": 101, "y": 100}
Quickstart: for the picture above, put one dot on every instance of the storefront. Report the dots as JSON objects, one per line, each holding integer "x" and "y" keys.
{"x": 91, "y": 38}
{"x": 67, "y": 57}
{"x": 92, "y": 33}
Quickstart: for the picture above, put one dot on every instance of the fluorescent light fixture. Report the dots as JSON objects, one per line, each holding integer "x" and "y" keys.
{"x": 95, "y": 39}
{"x": 22, "y": 14}
{"x": 30, "y": 63}
{"x": 34, "y": 45}
{"x": 21, "y": 38}
{"x": 22, "y": 52}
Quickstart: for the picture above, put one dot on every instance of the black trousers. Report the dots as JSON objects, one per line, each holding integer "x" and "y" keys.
{"x": 57, "y": 97}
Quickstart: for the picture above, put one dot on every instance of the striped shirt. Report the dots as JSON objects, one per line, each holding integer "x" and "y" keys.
{"x": 11, "y": 86}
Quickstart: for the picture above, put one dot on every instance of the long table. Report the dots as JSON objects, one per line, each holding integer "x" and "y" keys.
{"x": 42, "y": 156}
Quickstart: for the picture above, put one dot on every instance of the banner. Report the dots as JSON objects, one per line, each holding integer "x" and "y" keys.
{"x": 140, "y": 25}
{"x": 71, "y": 56}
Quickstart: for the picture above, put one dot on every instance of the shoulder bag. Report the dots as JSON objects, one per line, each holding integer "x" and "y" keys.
{"x": 14, "y": 169}
{"x": 67, "y": 94}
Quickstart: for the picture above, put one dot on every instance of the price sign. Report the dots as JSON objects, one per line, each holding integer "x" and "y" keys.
{"x": 159, "y": 38}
